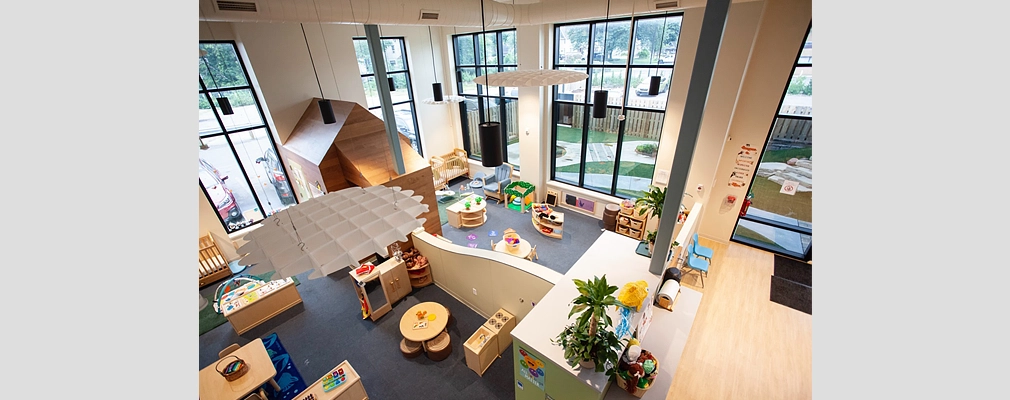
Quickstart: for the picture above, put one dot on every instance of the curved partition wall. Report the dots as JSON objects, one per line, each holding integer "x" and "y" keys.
{"x": 485, "y": 280}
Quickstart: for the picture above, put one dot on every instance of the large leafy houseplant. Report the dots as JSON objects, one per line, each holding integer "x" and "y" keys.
{"x": 651, "y": 200}
{"x": 588, "y": 339}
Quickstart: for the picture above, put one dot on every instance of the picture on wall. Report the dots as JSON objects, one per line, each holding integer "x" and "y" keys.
{"x": 579, "y": 202}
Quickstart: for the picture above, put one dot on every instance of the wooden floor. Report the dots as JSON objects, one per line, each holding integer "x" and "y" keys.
{"x": 743, "y": 346}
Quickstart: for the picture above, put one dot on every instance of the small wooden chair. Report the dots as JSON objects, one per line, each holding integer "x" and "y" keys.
{"x": 533, "y": 254}
{"x": 228, "y": 350}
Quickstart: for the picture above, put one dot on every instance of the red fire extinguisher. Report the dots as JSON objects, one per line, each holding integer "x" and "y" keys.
{"x": 745, "y": 205}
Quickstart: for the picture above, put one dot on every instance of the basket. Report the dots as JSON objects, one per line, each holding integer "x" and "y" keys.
{"x": 234, "y": 369}
{"x": 511, "y": 247}
{"x": 637, "y": 392}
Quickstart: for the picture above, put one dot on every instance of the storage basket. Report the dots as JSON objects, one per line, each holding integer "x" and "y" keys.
{"x": 636, "y": 224}
{"x": 622, "y": 229}
{"x": 233, "y": 369}
{"x": 511, "y": 245}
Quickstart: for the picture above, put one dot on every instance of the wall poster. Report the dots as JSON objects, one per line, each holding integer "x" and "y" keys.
{"x": 531, "y": 368}
{"x": 743, "y": 166}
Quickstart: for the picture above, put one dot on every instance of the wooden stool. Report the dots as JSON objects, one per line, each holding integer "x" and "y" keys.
{"x": 410, "y": 348}
{"x": 439, "y": 348}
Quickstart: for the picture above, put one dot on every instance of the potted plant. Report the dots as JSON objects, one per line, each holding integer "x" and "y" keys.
{"x": 651, "y": 200}
{"x": 478, "y": 200}
{"x": 588, "y": 341}
{"x": 467, "y": 205}
{"x": 650, "y": 237}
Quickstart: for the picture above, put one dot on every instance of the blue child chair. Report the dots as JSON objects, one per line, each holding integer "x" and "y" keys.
{"x": 696, "y": 263}
{"x": 702, "y": 251}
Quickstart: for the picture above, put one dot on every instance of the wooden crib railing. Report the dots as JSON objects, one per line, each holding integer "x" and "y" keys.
{"x": 213, "y": 264}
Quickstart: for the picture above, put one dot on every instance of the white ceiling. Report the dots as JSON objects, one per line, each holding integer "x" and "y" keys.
{"x": 497, "y": 13}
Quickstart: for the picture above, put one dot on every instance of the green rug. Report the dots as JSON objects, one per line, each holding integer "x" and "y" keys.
{"x": 209, "y": 319}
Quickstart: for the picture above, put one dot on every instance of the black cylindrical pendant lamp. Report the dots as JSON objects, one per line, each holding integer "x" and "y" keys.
{"x": 599, "y": 103}
{"x": 225, "y": 105}
{"x": 392, "y": 86}
{"x": 490, "y": 144}
{"x": 654, "y": 85}
{"x": 436, "y": 90}
{"x": 326, "y": 110}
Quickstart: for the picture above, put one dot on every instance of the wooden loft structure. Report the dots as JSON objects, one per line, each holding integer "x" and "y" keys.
{"x": 354, "y": 151}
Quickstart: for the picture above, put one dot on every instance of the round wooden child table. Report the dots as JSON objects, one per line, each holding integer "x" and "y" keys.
{"x": 434, "y": 327}
{"x": 522, "y": 252}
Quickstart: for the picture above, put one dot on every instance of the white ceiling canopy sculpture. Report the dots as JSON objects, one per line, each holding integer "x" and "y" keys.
{"x": 542, "y": 77}
{"x": 331, "y": 232}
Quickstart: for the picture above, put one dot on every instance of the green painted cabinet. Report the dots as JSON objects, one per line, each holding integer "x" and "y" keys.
{"x": 538, "y": 378}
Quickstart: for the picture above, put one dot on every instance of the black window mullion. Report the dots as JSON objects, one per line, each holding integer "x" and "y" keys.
{"x": 617, "y": 156}
{"x": 213, "y": 109}
{"x": 585, "y": 144}
{"x": 245, "y": 176}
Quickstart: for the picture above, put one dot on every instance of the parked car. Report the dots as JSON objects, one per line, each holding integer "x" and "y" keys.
{"x": 643, "y": 88}
{"x": 276, "y": 176}
{"x": 220, "y": 195}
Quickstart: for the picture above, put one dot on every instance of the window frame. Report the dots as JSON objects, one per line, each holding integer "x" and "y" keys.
{"x": 410, "y": 83}
{"x": 802, "y": 230}
{"x": 227, "y": 135}
{"x": 482, "y": 97}
{"x": 589, "y": 67}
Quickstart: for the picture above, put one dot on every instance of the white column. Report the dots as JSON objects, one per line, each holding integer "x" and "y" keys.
{"x": 529, "y": 42}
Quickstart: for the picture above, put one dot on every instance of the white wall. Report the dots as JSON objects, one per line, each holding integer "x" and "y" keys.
{"x": 734, "y": 51}
{"x": 780, "y": 34}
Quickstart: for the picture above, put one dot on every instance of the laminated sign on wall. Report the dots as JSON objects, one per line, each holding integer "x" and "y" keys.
{"x": 743, "y": 166}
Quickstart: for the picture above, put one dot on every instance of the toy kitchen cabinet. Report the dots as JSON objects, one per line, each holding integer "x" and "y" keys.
{"x": 382, "y": 287}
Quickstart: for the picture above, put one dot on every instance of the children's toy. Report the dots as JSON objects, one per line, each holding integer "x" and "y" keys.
{"x": 520, "y": 195}
{"x": 233, "y": 369}
{"x": 334, "y": 379}
{"x": 636, "y": 370}
{"x": 365, "y": 268}
{"x": 233, "y": 288}
{"x": 633, "y": 294}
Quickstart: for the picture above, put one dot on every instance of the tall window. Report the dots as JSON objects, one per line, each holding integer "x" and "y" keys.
{"x": 780, "y": 214}
{"x": 610, "y": 155}
{"x": 394, "y": 51}
{"x": 479, "y": 54}
{"x": 240, "y": 172}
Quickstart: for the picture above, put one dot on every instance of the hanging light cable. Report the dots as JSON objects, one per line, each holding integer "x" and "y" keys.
{"x": 222, "y": 101}
{"x": 656, "y": 80}
{"x": 325, "y": 107}
{"x": 436, "y": 88}
{"x": 490, "y": 132}
{"x": 600, "y": 96}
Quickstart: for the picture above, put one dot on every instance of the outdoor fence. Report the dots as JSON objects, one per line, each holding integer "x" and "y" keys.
{"x": 790, "y": 133}
{"x": 511, "y": 126}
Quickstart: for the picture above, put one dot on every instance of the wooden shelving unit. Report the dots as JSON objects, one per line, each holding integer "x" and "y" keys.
{"x": 541, "y": 221}
{"x": 632, "y": 225}
{"x": 420, "y": 276}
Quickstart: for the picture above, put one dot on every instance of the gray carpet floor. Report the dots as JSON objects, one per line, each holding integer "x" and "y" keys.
{"x": 579, "y": 232}
{"x": 327, "y": 329}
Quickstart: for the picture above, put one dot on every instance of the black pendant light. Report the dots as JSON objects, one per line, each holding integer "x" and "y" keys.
{"x": 654, "y": 85}
{"x": 600, "y": 96}
{"x": 655, "y": 81}
{"x": 491, "y": 154}
{"x": 225, "y": 105}
{"x": 325, "y": 107}
{"x": 392, "y": 86}
{"x": 436, "y": 88}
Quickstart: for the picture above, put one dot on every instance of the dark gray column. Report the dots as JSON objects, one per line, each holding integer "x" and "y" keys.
{"x": 381, "y": 81}
{"x": 694, "y": 109}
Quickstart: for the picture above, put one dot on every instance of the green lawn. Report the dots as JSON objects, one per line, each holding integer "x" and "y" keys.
{"x": 786, "y": 154}
{"x": 628, "y": 168}
{"x": 572, "y": 135}
{"x": 767, "y": 197}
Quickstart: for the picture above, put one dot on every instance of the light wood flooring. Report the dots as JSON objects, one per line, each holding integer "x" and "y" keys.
{"x": 743, "y": 346}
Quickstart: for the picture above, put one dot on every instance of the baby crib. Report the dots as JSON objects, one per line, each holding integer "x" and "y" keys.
{"x": 449, "y": 166}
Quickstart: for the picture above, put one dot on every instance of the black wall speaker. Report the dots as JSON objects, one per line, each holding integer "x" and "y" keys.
{"x": 490, "y": 144}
